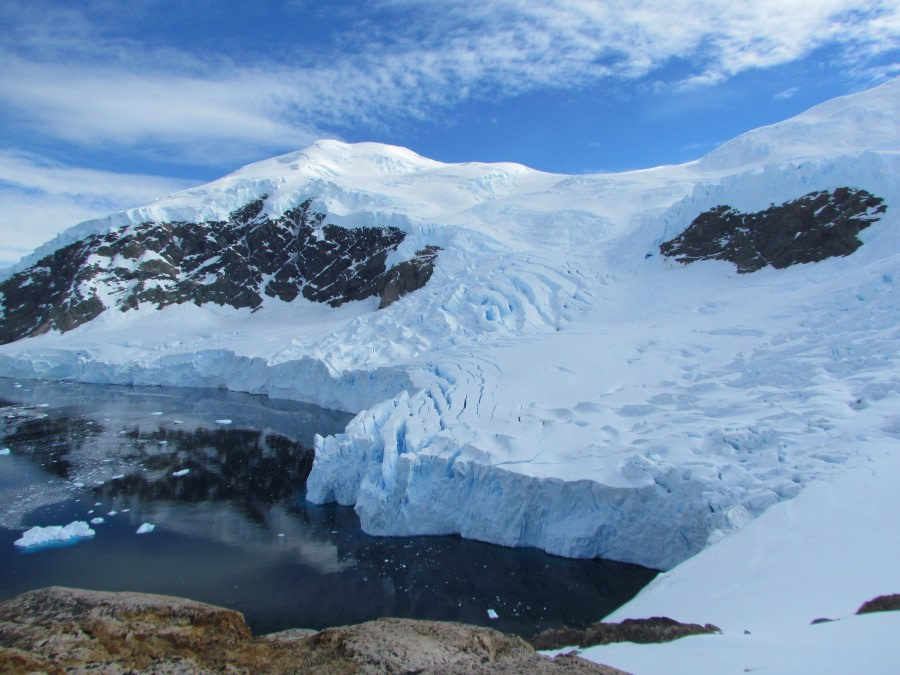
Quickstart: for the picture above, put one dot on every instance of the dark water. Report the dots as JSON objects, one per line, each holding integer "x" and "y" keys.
{"x": 235, "y": 530}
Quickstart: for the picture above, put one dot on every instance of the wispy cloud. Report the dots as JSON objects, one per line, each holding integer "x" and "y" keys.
{"x": 39, "y": 198}
{"x": 413, "y": 58}
{"x": 787, "y": 93}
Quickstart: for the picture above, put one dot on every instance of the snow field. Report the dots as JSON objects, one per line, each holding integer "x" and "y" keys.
{"x": 820, "y": 555}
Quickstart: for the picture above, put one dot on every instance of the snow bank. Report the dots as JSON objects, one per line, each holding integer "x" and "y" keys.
{"x": 820, "y": 555}
{"x": 54, "y": 534}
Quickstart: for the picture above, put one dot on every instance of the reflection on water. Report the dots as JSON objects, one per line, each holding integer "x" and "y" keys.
{"x": 221, "y": 476}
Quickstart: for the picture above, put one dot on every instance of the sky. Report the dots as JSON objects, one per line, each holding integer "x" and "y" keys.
{"x": 107, "y": 104}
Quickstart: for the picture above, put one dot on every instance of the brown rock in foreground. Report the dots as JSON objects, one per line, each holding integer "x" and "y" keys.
{"x": 645, "y": 631}
{"x": 56, "y": 630}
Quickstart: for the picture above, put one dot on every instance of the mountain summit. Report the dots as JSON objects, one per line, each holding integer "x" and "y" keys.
{"x": 629, "y": 365}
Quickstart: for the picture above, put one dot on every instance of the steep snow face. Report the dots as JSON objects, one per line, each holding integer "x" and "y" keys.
{"x": 557, "y": 383}
{"x": 843, "y": 125}
{"x": 820, "y": 556}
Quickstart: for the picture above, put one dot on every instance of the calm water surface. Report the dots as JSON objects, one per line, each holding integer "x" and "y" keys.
{"x": 221, "y": 477}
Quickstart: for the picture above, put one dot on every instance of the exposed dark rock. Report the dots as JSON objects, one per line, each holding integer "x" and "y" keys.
{"x": 654, "y": 629}
{"x": 822, "y": 619}
{"x": 812, "y": 228}
{"x": 883, "y": 603}
{"x": 57, "y": 630}
{"x": 236, "y": 262}
{"x": 408, "y": 276}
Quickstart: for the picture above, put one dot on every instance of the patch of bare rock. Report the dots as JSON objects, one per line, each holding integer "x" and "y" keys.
{"x": 883, "y": 603}
{"x": 646, "y": 631}
{"x": 58, "y": 630}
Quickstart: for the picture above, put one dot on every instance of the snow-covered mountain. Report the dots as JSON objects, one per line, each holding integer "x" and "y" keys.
{"x": 629, "y": 365}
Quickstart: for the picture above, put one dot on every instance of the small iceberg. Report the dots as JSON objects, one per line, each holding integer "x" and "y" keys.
{"x": 223, "y": 421}
{"x": 492, "y": 614}
{"x": 55, "y": 534}
{"x": 179, "y": 474}
{"x": 146, "y": 528}
{"x": 4, "y": 452}
{"x": 97, "y": 521}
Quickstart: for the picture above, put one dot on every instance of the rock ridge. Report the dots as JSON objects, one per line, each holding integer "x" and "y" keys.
{"x": 236, "y": 262}
{"x": 58, "y": 630}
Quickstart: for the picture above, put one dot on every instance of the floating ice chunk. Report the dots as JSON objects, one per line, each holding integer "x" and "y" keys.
{"x": 112, "y": 513}
{"x": 223, "y": 421}
{"x": 55, "y": 534}
{"x": 177, "y": 422}
{"x": 4, "y": 452}
{"x": 17, "y": 385}
{"x": 179, "y": 474}
{"x": 157, "y": 413}
{"x": 97, "y": 521}
{"x": 492, "y": 614}
{"x": 118, "y": 476}
{"x": 281, "y": 534}
{"x": 146, "y": 528}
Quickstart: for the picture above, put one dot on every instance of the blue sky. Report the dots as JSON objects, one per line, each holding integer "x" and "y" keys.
{"x": 107, "y": 104}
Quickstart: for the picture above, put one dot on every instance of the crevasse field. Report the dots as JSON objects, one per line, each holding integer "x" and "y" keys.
{"x": 560, "y": 384}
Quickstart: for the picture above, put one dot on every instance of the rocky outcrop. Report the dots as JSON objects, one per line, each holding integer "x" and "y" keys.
{"x": 237, "y": 262}
{"x": 57, "y": 630}
{"x": 644, "y": 631}
{"x": 883, "y": 603}
{"x": 408, "y": 276}
{"x": 812, "y": 228}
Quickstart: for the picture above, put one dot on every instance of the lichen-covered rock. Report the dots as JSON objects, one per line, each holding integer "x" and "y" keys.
{"x": 237, "y": 262}
{"x": 57, "y": 630}
{"x": 812, "y": 228}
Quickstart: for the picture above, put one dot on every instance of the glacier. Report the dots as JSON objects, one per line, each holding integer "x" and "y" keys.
{"x": 557, "y": 383}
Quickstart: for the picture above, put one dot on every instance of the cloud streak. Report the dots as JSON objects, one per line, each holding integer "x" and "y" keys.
{"x": 418, "y": 58}
{"x": 39, "y": 198}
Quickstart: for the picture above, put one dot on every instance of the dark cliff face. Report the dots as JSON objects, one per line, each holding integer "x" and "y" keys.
{"x": 234, "y": 262}
{"x": 814, "y": 227}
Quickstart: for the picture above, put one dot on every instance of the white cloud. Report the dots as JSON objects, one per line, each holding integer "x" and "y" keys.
{"x": 787, "y": 93}
{"x": 408, "y": 60}
{"x": 39, "y": 199}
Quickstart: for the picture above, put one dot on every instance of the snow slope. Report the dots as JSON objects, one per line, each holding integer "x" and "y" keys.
{"x": 557, "y": 383}
{"x": 776, "y": 576}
